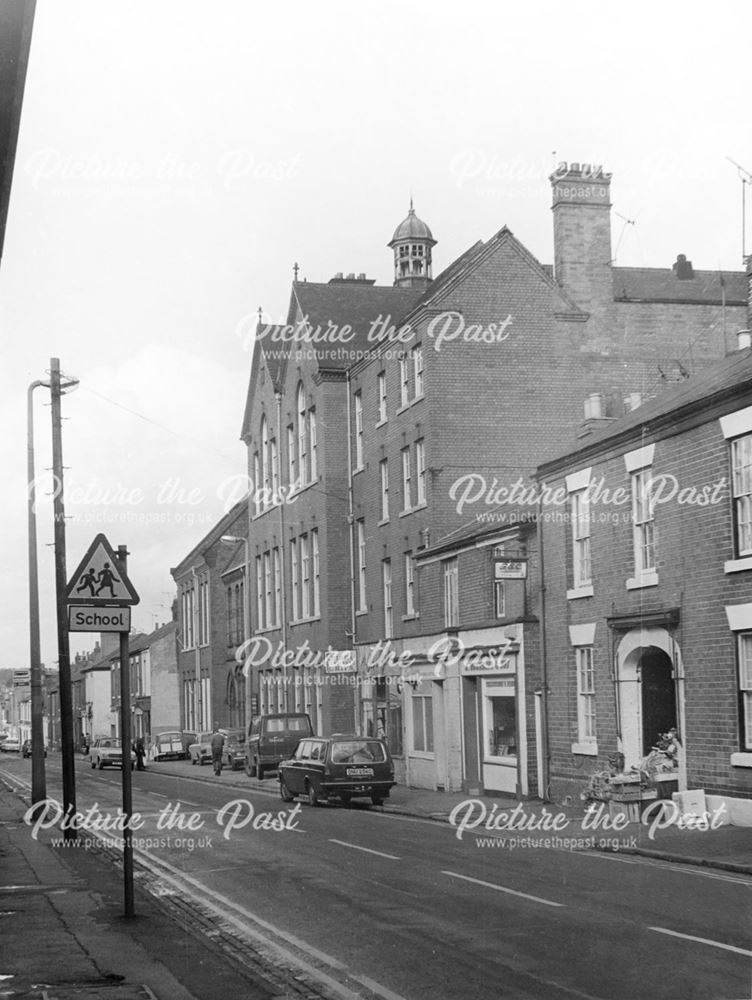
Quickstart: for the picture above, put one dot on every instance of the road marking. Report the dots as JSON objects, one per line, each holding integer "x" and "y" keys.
{"x": 676, "y": 867}
{"x": 357, "y": 847}
{"x": 699, "y": 940}
{"x": 228, "y": 910}
{"x": 502, "y": 888}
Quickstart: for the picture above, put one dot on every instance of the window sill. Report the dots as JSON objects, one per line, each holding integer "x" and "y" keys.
{"x": 737, "y": 565}
{"x": 360, "y": 612}
{"x": 743, "y": 759}
{"x": 403, "y": 408}
{"x": 382, "y": 522}
{"x": 585, "y": 749}
{"x": 646, "y": 579}
{"x": 577, "y": 592}
{"x": 411, "y": 618}
{"x": 406, "y": 511}
{"x": 305, "y": 621}
{"x": 380, "y": 423}
{"x": 269, "y": 628}
{"x": 422, "y": 754}
{"x": 360, "y": 468}
{"x": 510, "y": 761}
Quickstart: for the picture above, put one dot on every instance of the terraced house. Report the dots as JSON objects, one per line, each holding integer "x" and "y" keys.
{"x": 424, "y": 414}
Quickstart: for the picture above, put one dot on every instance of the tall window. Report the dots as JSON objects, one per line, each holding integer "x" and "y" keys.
{"x": 741, "y": 472}
{"x": 362, "y": 606}
{"x": 581, "y": 538}
{"x": 745, "y": 688}
{"x": 422, "y": 723}
{"x": 406, "y": 480}
{"x": 268, "y": 590}
{"x": 643, "y": 520}
{"x": 203, "y": 612}
{"x": 382, "y": 396}
{"x": 187, "y": 606}
{"x": 232, "y": 614}
{"x": 316, "y": 593}
{"x": 295, "y": 583}
{"x": 585, "y": 694}
{"x": 418, "y": 370}
{"x": 266, "y": 480}
{"x": 292, "y": 465}
{"x": 260, "y": 616}
{"x": 386, "y": 576}
{"x": 384, "y": 473}
{"x": 358, "y": 430}
{"x": 451, "y": 593}
{"x": 274, "y": 463}
{"x": 420, "y": 469}
{"x": 305, "y": 578}
{"x": 409, "y": 584}
{"x": 302, "y": 436}
{"x": 500, "y": 599}
{"x": 404, "y": 381}
{"x": 277, "y": 570}
{"x": 314, "y": 444}
{"x": 241, "y": 611}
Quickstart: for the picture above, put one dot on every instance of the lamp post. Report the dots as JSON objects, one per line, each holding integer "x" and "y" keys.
{"x": 38, "y": 778}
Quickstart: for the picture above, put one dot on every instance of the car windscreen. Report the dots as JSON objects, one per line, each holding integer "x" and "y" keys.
{"x": 357, "y": 752}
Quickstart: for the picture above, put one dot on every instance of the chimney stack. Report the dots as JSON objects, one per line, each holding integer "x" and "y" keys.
{"x": 582, "y": 238}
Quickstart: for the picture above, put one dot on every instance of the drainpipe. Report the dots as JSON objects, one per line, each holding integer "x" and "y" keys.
{"x": 282, "y": 573}
{"x": 351, "y": 548}
{"x": 545, "y": 753}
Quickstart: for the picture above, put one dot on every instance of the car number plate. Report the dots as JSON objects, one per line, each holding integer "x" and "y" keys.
{"x": 360, "y": 772}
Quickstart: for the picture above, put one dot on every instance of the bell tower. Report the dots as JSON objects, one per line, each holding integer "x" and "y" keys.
{"x": 412, "y": 243}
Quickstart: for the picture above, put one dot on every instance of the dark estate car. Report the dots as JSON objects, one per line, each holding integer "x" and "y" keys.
{"x": 272, "y": 739}
{"x": 345, "y": 767}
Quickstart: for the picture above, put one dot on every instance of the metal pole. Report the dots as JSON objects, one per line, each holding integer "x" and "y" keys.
{"x": 63, "y": 647}
{"x": 38, "y": 778}
{"x": 125, "y": 745}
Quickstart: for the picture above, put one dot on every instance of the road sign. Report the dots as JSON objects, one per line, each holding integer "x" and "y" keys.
{"x": 100, "y": 579}
{"x": 88, "y": 618}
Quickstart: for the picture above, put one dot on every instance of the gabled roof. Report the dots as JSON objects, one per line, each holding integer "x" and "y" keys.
{"x": 211, "y": 538}
{"x": 728, "y": 377}
{"x": 660, "y": 284}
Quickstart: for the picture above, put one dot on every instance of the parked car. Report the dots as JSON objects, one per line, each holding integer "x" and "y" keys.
{"x": 168, "y": 746}
{"x": 343, "y": 767}
{"x": 272, "y": 738}
{"x": 233, "y": 752}
{"x": 199, "y": 751}
{"x": 26, "y": 749}
{"x": 108, "y": 752}
{"x": 11, "y": 745}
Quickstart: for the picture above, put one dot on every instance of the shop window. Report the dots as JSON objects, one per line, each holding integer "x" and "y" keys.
{"x": 741, "y": 472}
{"x": 745, "y": 688}
{"x": 501, "y": 719}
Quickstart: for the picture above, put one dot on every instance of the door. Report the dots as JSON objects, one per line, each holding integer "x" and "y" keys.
{"x": 658, "y": 696}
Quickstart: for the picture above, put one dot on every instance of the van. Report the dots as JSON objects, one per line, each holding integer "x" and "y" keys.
{"x": 272, "y": 739}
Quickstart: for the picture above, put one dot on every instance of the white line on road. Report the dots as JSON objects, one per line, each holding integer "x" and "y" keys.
{"x": 503, "y": 888}
{"x": 699, "y": 940}
{"x": 357, "y": 847}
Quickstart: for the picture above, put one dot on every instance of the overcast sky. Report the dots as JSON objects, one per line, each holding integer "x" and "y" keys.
{"x": 176, "y": 158}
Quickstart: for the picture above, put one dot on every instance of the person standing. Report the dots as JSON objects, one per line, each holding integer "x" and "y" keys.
{"x": 140, "y": 754}
{"x": 217, "y": 746}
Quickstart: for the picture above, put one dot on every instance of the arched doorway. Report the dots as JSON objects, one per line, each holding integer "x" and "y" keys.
{"x": 658, "y": 693}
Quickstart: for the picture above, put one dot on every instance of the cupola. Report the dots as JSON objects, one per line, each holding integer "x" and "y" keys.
{"x": 412, "y": 242}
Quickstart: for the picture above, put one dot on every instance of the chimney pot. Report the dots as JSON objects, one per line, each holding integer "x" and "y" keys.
{"x": 744, "y": 339}
{"x": 594, "y": 406}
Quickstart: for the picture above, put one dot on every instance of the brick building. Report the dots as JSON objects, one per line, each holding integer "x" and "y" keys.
{"x": 449, "y": 392}
{"x": 154, "y": 684}
{"x": 210, "y": 622}
{"x": 648, "y": 554}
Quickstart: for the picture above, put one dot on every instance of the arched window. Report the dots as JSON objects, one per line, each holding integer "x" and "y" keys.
{"x": 302, "y": 420}
{"x": 265, "y": 464}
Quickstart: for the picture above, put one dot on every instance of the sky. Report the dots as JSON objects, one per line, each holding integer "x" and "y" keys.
{"x": 175, "y": 159}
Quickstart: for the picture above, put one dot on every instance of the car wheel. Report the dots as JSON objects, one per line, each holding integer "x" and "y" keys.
{"x": 250, "y": 770}
{"x": 193, "y": 761}
{"x": 259, "y": 770}
{"x": 93, "y": 764}
{"x": 377, "y": 800}
{"x": 313, "y": 795}
{"x": 100, "y": 764}
{"x": 284, "y": 791}
{"x": 346, "y": 798}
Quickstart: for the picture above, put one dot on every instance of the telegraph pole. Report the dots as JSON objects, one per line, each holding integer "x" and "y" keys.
{"x": 57, "y": 387}
{"x": 38, "y": 778}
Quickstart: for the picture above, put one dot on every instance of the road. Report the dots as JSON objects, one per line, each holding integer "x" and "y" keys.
{"x": 404, "y": 907}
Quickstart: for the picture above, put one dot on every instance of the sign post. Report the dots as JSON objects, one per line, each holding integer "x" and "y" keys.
{"x": 88, "y": 611}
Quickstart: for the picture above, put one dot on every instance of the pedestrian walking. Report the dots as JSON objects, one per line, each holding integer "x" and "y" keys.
{"x": 140, "y": 754}
{"x": 217, "y": 746}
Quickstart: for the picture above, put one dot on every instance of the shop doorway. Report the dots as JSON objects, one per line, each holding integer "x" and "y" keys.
{"x": 658, "y": 696}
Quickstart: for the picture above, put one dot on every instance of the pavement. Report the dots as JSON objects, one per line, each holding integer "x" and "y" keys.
{"x": 64, "y": 936}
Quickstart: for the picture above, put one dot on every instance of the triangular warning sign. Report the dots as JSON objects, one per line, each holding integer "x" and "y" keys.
{"x": 99, "y": 578}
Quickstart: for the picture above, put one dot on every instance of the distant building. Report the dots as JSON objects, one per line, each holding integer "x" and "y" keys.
{"x": 154, "y": 688}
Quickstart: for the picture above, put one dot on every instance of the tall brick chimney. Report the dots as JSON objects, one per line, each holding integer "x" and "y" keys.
{"x": 582, "y": 237}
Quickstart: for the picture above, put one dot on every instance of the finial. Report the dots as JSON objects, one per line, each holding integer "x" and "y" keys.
{"x": 295, "y": 269}
{"x": 411, "y": 202}
{"x": 260, "y": 314}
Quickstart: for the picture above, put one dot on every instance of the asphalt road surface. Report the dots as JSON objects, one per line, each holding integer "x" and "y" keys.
{"x": 405, "y": 908}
